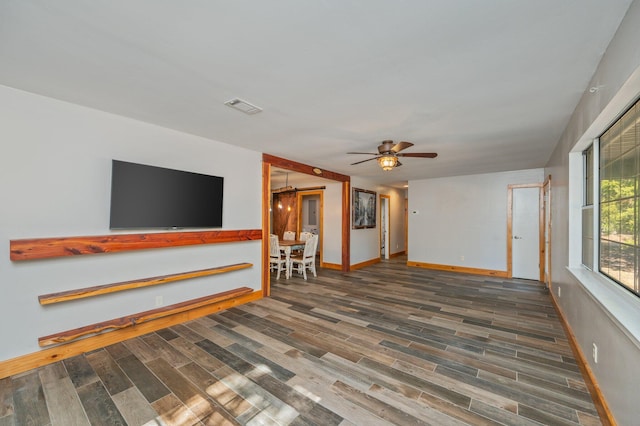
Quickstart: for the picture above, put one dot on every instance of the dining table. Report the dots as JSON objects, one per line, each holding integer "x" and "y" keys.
{"x": 286, "y": 246}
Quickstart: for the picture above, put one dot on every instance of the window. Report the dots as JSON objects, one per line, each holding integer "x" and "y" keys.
{"x": 619, "y": 248}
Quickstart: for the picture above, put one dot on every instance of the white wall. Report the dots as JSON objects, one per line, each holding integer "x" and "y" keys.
{"x": 332, "y": 232}
{"x": 365, "y": 243}
{"x": 397, "y": 199}
{"x": 463, "y": 216}
{"x": 597, "y": 311}
{"x": 55, "y": 172}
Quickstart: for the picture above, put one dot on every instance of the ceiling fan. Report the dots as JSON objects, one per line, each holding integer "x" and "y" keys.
{"x": 388, "y": 153}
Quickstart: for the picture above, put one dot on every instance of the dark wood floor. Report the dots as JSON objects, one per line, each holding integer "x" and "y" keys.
{"x": 386, "y": 344}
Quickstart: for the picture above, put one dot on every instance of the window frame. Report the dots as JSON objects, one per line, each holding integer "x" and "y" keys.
{"x": 588, "y": 210}
{"x": 598, "y": 161}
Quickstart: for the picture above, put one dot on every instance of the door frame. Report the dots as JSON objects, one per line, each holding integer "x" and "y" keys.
{"x": 301, "y": 195}
{"x": 386, "y": 225}
{"x": 269, "y": 161}
{"x": 546, "y": 197}
{"x": 541, "y": 248}
{"x": 406, "y": 227}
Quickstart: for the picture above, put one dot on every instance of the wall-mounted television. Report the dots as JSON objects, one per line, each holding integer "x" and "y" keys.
{"x": 144, "y": 196}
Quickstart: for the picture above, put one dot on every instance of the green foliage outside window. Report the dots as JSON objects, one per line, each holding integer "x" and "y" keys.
{"x": 619, "y": 248}
{"x": 618, "y": 216}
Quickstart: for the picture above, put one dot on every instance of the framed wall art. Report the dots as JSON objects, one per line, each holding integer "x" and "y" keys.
{"x": 363, "y": 209}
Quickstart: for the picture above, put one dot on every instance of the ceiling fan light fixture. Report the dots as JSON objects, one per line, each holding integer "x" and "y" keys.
{"x": 387, "y": 162}
{"x": 388, "y": 153}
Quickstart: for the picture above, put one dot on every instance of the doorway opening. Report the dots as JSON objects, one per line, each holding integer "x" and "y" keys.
{"x": 384, "y": 226}
{"x": 269, "y": 161}
{"x": 311, "y": 217}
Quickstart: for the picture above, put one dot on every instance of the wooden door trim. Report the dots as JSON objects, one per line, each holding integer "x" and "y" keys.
{"x": 266, "y": 227}
{"x": 273, "y": 161}
{"x": 546, "y": 190}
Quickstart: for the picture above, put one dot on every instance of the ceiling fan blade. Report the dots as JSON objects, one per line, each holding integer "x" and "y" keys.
{"x": 366, "y": 153}
{"x": 358, "y": 162}
{"x": 400, "y": 146}
{"x": 419, "y": 154}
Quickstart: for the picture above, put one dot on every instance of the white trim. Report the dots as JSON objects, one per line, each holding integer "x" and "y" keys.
{"x": 596, "y": 203}
{"x": 575, "y": 195}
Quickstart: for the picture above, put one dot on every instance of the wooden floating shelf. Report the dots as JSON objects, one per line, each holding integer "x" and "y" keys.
{"x": 41, "y": 248}
{"x": 142, "y": 317}
{"x": 81, "y": 293}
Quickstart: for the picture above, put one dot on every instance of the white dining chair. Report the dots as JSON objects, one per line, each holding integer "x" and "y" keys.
{"x": 289, "y": 235}
{"x": 304, "y": 236}
{"x": 276, "y": 260}
{"x": 306, "y": 260}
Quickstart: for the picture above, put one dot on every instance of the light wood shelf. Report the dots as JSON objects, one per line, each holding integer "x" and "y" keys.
{"x": 141, "y": 317}
{"x": 81, "y": 293}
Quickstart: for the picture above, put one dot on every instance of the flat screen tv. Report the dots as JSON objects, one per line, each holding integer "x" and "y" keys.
{"x": 145, "y": 196}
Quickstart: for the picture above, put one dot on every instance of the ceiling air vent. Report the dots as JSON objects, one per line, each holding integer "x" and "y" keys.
{"x": 243, "y": 106}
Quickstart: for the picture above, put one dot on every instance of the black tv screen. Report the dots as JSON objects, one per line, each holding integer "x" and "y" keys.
{"x": 154, "y": 197}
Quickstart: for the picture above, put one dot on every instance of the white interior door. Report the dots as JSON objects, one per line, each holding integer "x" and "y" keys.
{"x": 311, "y": 216}
{"x": 526, "y": 233}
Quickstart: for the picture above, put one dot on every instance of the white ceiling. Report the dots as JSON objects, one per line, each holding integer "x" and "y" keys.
{"x": 489, "y": 85}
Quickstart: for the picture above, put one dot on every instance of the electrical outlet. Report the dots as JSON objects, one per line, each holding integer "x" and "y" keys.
{"x": 461, "y": 257}
{"x": 159, "y": 301}
{"x": 559, "y": 292}
{"x": 595, "y": 353}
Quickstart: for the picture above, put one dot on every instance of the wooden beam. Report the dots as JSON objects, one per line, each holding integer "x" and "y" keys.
{"x": 266, "y": 228}
{"x": 82, "y": 293}
{"x": 303, "y": 168}
{"x": 41, "y": 248}
{"x": 346, "y": 226}
{"x": 131, "y": 320}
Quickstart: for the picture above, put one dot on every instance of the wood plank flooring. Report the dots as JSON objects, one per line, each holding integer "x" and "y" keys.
{"x": 386, "y": 344}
